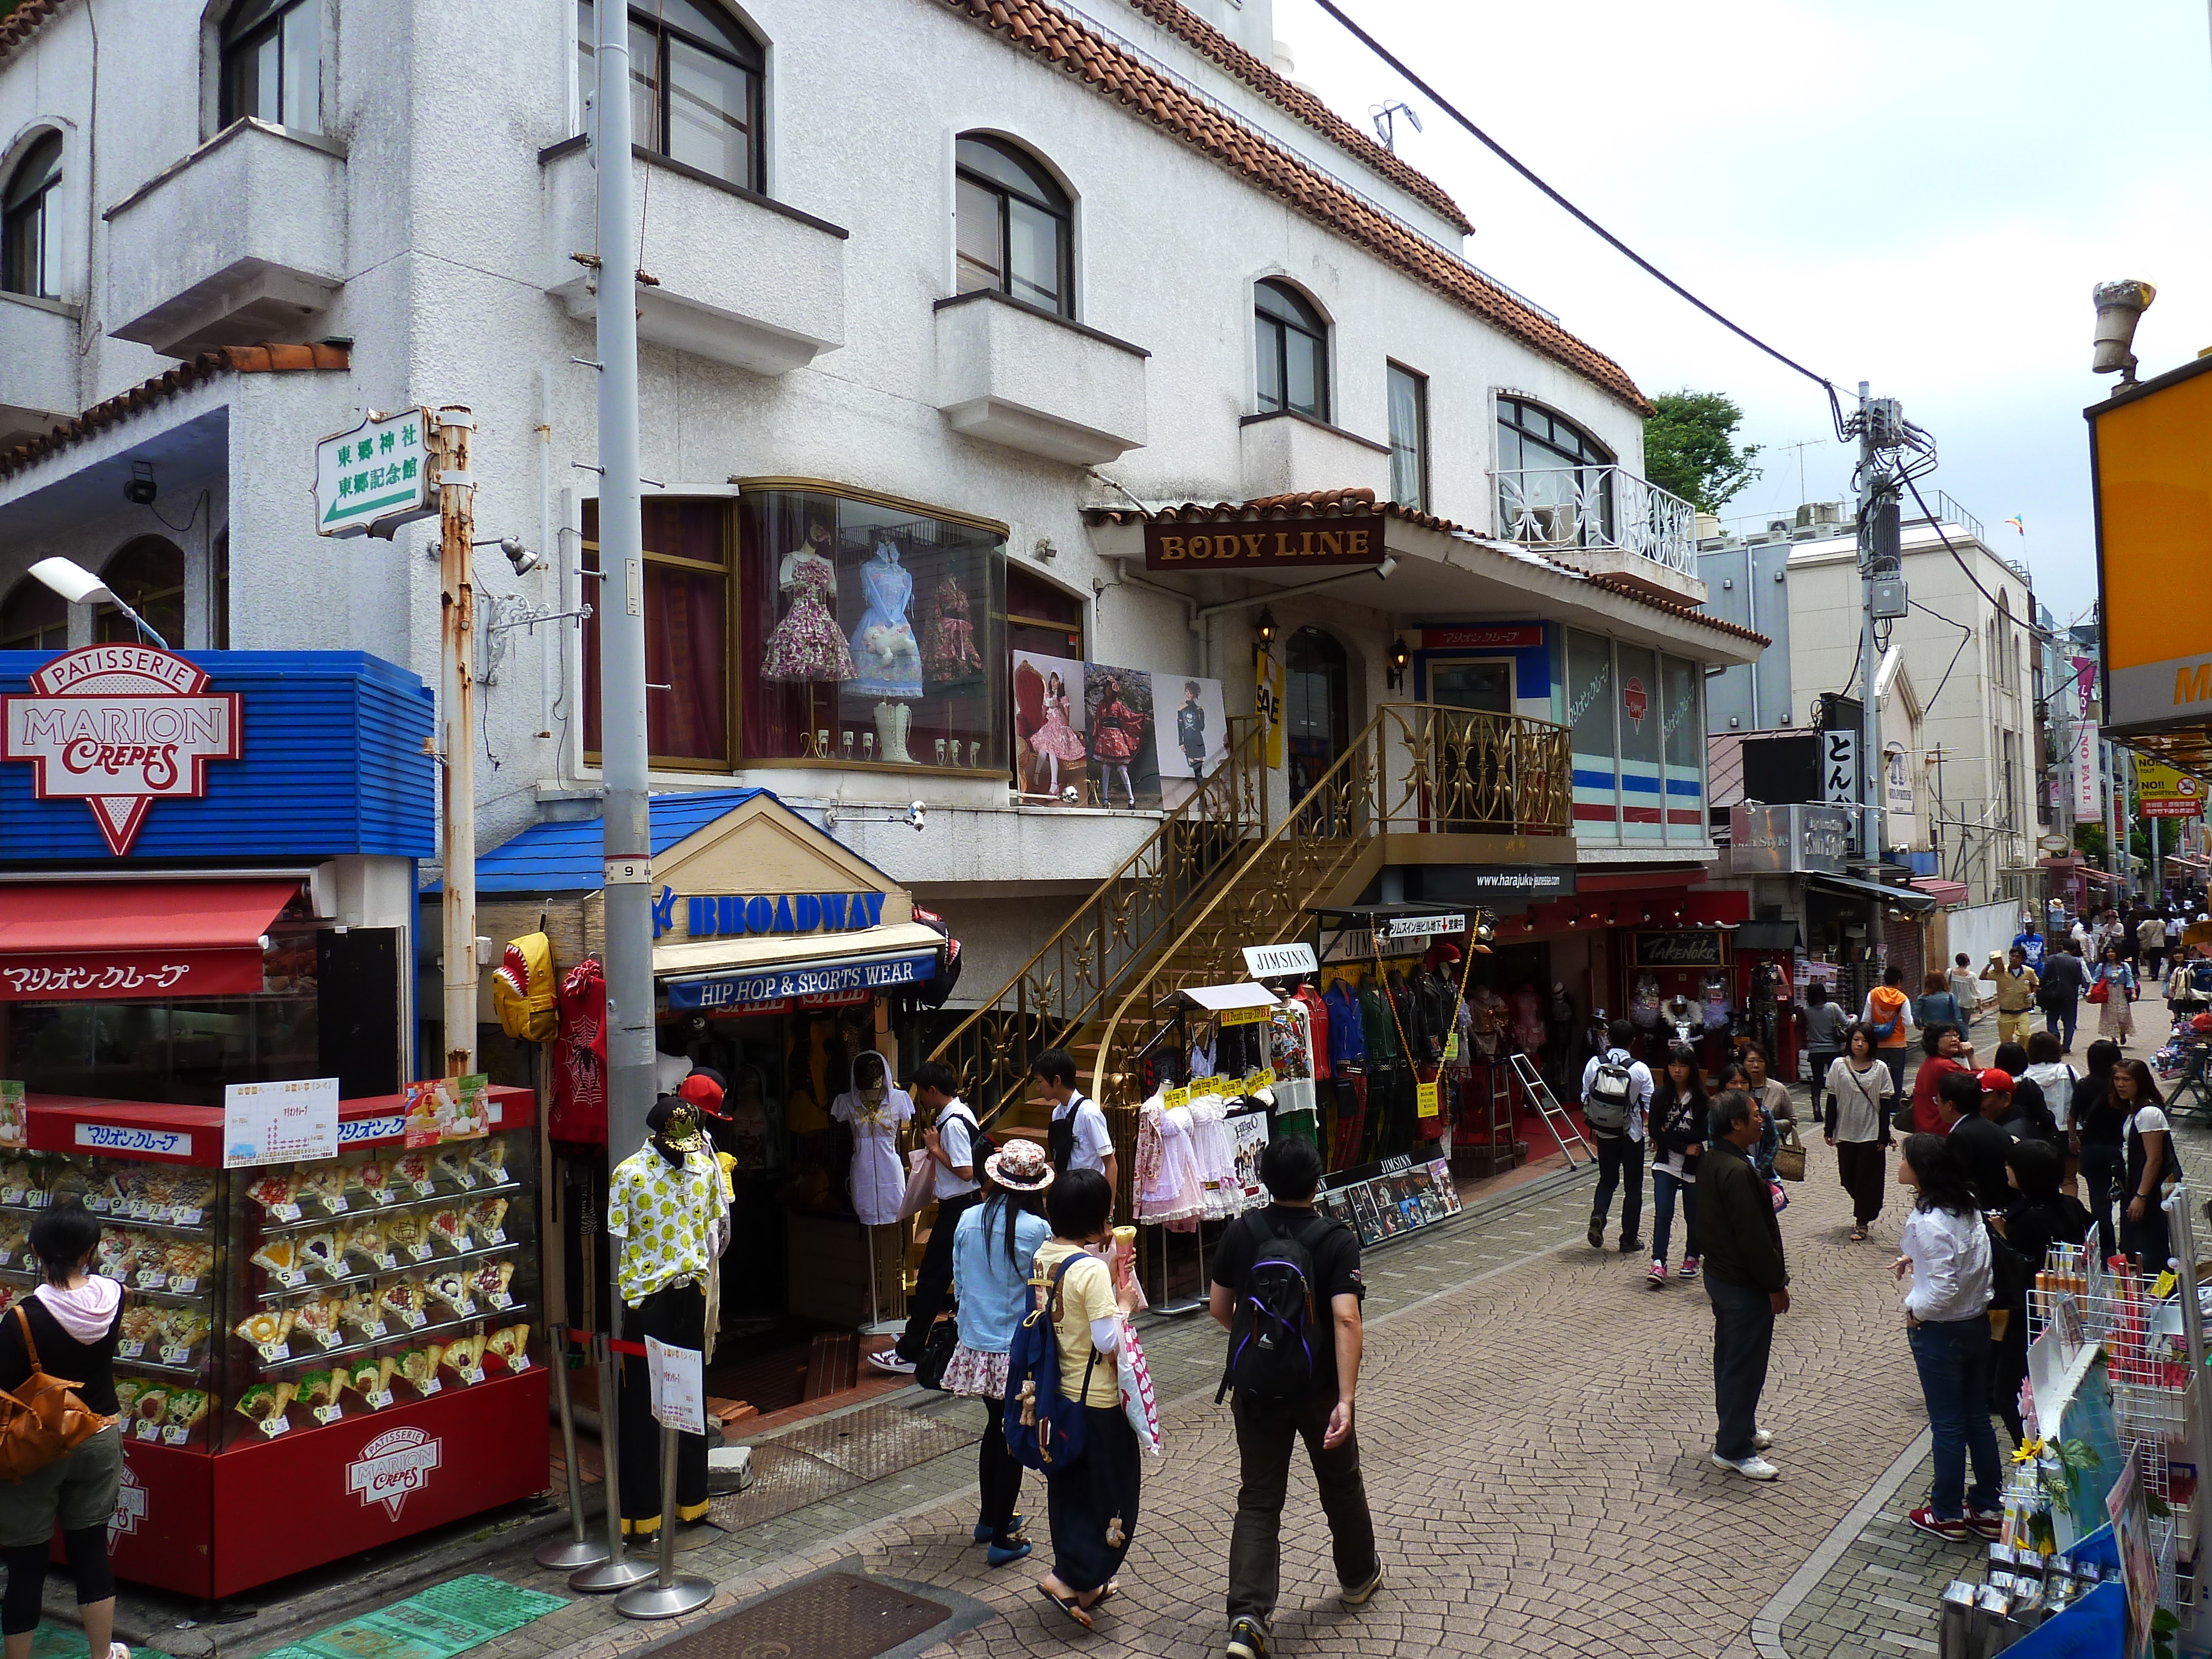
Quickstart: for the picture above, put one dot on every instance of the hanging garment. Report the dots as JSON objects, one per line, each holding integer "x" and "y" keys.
{"x": 1413, "y": 1021}
{"x": 1318, "y": 1024}
{"x": 1380, "y": 1031}
{"x": 878, "y": 1177}
{"x": 1351, "y": 1120}
{"x": 1182, "y": 1186}
{"x": 1347, "y": 1038}
{"x": 1290, "y": 1041}
{"x": 806, "y": 644}
{"x": 887, "y": 661}
{"x": 950, "y": 652}
{"x": 1202, "y": 1056}
{"x": 579, "y": 1116}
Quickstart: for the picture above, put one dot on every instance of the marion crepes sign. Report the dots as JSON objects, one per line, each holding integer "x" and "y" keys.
{"x": 119, "y": 727}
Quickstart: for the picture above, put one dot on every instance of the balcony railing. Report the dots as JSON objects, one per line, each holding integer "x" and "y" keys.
{"x": 1597, "y": 507}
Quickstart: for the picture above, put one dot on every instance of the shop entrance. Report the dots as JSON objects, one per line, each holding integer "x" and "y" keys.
{"x": 1317, "y": 706}
{"x": 1484, "y": 684}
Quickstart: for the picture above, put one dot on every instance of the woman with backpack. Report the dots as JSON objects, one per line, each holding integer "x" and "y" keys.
{"x": 1092, "y": 1502}
{"x": 2048, "y": 1070}
{"x": 2115, "y": 1013}
{"x": 1946, "y": 1248}
{"x": 2099, "y": 1131}
{"x": 993, "y": 1247}
{"x": 2151, "y": 1166}
{"x": 1677, "y": 1131}
{"x": 1827, "y": 1030}
{"x": 1861, "y": 1097}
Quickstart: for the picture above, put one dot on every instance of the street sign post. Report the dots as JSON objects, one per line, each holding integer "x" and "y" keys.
{"x": 376, "y": 477}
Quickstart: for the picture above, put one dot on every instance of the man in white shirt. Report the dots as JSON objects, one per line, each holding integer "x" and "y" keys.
{"x": 1616, "y": 1097}
{"x": 1078, "y": 1139}
{"x": 951, "y": 1140}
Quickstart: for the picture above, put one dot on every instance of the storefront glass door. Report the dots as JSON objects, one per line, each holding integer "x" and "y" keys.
{"x": 1484, "y": 683}
{"x": 1317, "y": 707}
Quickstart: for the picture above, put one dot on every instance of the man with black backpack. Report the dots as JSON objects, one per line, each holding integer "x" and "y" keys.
{"x": 1286, "y": 1286}
{"x": 1616, "y": 1095}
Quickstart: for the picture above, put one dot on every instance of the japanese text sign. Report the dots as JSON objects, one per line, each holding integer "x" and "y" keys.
{"x": 679, "y": 1386}
{"x": 379, "y": 471}
{"x": 291, "y": 1122}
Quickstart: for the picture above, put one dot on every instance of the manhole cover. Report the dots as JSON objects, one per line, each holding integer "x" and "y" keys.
{"x": 840, "y": 1616}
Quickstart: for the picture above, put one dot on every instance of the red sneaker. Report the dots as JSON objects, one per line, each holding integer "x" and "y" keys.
{"x": 1957, "y": 1528}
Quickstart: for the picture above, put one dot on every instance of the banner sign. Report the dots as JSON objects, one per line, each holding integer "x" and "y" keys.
{"x": 378, "y": 474}
{"x": 2088, "y": 799}
{"x": 119, "y": 727}
{"x": 2164, "y": 792}
{"x": 1274, "y": 961}
{"x": 290, "y": 1122}
{"x": 736, "y": 991}
{"x": 1353, "y": 539}
{"x": 1840, "y": 768}
{"x": 1688, "y": 948}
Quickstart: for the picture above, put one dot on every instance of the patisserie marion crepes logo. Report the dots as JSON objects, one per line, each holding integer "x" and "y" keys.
{"x": 118, "y": 727}
{"x": 391, "y": 1466}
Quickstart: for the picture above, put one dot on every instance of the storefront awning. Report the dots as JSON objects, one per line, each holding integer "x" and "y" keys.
{"x": 737, "y": 973}
{"x": 1942, "y": 892}
{"x": 1905, "y": 897}
{"x": 85, "y": 940}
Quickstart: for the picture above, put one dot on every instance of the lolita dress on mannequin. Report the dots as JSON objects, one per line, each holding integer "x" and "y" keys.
{"x": 949, "y": 654}
{"x": 887, "y": 660}
{"x": 806, "y": 644}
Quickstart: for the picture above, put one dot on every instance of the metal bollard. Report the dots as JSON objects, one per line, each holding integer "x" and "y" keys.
{"x": 618, "y": 1568}
{"x": 670, "y": 1594}
{"x": 579, "y": 1549}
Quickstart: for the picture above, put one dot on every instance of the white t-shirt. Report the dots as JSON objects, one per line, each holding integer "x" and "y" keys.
{"x": 1093, "y": 1145}
{"x": 2147, "y": 1119}
{"x": 955, "y": 1134}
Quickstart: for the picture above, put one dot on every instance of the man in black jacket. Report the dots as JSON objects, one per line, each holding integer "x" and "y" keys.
{"x": 2063, "y": 982}
{"x": 1736, "y": 1233}
{"x": 1965, "y": 1107}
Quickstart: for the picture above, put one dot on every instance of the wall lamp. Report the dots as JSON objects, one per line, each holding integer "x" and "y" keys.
{"x": 1399, "y": 658}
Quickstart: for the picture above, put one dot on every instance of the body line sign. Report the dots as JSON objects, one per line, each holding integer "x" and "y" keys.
{"x": 767, "y": 985}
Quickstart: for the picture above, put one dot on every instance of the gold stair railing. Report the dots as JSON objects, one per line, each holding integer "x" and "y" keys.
{"x": 1114, "y": 931}
{"x": 1416, "y": 769}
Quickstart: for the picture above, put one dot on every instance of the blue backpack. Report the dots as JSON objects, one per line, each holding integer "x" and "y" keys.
{"x": 1044, "y": 1426}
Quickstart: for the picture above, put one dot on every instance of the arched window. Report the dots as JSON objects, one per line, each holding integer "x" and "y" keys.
{"x": 1293, "y": 351}
{"x": 147, "y": 575}
{"x": 27, "y": 213}
{"x": 695, "y": 86}
{"x": 33, "y": 617}
{"x": 1016, "y": 226}
{"x": 1553, "y": 489}
{"x": 272, "y": 61}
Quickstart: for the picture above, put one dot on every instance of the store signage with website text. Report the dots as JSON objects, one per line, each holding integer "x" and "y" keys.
{"x": 1280, "y": 960}
{"x": 1788, "y": 840}
{"x": 1526, "y": 881}
{"x": 377, "y": 474}
{"x": 730, "y": 915}
{"x": 119, "y": 727}
{"x": 1353, "y": 539}
{"x": 736, "y": 991}
{"x": 294, "y": 1122}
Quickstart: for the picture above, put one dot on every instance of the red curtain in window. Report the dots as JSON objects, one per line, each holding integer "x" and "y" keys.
{"x": 686, "y": 631}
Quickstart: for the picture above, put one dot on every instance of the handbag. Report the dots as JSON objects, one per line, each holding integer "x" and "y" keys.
{"x": 921, "y": 1183}
{"x": 936, "y": 1352}
{"x": 2101, "y": 991}
{"x": 1789, "y": 1157}
{"x": 41, "y": 1417}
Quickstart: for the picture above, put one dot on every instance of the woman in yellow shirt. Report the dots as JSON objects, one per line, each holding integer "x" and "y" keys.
{"x": 1091, "y": 1504}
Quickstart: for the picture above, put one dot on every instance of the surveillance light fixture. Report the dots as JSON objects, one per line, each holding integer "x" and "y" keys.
{"x": 1389, "y": 563}
{"x": 1069, "y": 795}
{"x": 80, "y": 586}
{"x": 519, "y": 556}
{"x": 915, "y": 813}
{"x": 2120, "y": 306}
{"x": 1399, "y": 658}
{"x": 139, "y": 489}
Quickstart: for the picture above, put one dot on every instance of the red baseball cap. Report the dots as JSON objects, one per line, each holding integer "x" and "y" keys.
{"x": 1994, "y": 1081}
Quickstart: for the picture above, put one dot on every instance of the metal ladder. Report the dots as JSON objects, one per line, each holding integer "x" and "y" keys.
{"x": 1555, "y": 1117}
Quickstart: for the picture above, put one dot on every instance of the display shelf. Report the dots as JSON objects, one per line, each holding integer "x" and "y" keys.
{"x": 399, "y": 1340}
{"x": 271, "y": 1290}
{"x": 272, "y": 1226}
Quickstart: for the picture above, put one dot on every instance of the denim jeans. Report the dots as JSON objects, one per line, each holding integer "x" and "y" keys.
{"x": 1619, "y": 1163}
{"x": 1743, "y": 1337}
{"x": 2061, "y": 1020}
{"x": 1953, "y": 1361}
{"x": 1664, "y": 1187}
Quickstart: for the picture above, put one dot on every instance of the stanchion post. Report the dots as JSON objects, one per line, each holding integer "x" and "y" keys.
{"x": 670, "y": 1594}
{"x": 579, "y": 1549}
{"x": 619, "y": 1569}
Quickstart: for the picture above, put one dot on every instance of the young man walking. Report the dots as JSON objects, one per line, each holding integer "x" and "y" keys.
{"x": 1078, "y": 1139}
{"x": 1735, "y": 1232}
{"x": 2017, "y": 983}
{"x": 1616, "y": 1099}
{"x": 1888, "y": 1015}
{"x": 2058, "y": 993}
{"x": 951, "y": 1140}
{"x": 1256, "y": 1268}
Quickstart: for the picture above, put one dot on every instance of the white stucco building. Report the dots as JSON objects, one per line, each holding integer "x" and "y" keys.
{"x": 996, "y": 298}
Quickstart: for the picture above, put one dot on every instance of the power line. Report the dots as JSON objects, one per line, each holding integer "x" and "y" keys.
{"x": 1835, "y": 403}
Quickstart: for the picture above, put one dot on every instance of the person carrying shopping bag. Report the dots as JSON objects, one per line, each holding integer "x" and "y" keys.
{"x": 2114, "y": 991}
{"x": 1861, "y": 1100}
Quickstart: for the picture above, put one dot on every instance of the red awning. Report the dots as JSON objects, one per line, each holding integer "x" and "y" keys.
{"x": 1946, "y": 892}
{"x": 78, "y": 941}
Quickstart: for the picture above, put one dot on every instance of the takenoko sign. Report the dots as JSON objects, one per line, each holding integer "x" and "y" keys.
{"x": 119, "y": 727}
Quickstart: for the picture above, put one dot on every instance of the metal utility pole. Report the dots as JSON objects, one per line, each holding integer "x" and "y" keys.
{"x": 629, "y": 844}
{"x": 457, "y": 693}
{"x": 1871, "y": 780}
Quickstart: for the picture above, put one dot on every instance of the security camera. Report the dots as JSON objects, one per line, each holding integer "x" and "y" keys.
{"x": 139, "y": 489}
{"x": 519, "y": 556}
{"x": 2120, "y": 306}
{"x": 1389, "y": 563}
{"x": 914, "y": 813}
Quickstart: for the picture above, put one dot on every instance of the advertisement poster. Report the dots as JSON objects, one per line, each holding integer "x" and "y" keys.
{"x": 1119, "y": 720}
{"x": 446, "y": 1109}
{"x": 2129, "y": 1505}
{"x": 1194, "y": 732}
{"x": 14, "y": 1128}
{"x": 1050, "y": 753}
{"x": 1248, "y": 1133}
{"x": 293, "y": 1122}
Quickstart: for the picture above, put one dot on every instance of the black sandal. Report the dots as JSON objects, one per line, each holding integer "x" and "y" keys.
{"x": 1067, "y": 1605}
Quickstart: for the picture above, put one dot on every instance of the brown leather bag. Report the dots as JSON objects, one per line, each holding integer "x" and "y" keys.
{"x": 41, "y": 1418}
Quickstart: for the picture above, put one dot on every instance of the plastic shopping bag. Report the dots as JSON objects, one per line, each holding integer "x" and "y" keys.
{"x": 1139, "y": 1402}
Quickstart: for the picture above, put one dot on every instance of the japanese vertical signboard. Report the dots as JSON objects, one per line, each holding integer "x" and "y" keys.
{"x": 1840, "y": 768}
{"x": 2088, "y": 800}
{"x": 377, "y": 475}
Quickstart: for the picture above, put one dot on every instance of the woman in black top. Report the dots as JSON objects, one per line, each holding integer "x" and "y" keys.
{"x": 2039, "y": 1216}
{"x": 72, "y": 1318}
{"x": 2099, "y": 1126}
{"x": 1678, "y": 1128}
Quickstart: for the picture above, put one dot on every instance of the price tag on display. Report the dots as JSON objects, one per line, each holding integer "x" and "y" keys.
{"x": 275, "y": 1425}
{"x": 434, "y": 1386}
{"x": 185, "y": 1286}
{"x": 679, "y": 1389}
{"x": 175, "y": 1434}
{"x": 378, "y": 1400}
{"x": 1175, "y": 1097}
{"x": 328, "y": 1413}
{"x": 285, "y": 1211}
{"x": 1451, "y": 1045}
{"x": 130, "y": 1350}
{"x": 1425, "y": 1099}
{"x": 173, "y": 1353}
{"x": 276, "y": 1353}
{"x": 520, "y": 1362}
{"x": 419, "y": 1252}
{"x": 95, "y": 1202}
{"x": 149, "y": 1430}
{"x": 1246, "y": 1016}
{"x": 187, "y": 1218}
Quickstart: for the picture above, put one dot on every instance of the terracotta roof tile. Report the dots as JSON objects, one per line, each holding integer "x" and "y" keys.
{"x": 21, "y": 23}
{"x": 224, "y": 359}
{"x": 1338, "y": 503}
{"x": 1074, "y": 46}
{"x": 1180, "y": 20}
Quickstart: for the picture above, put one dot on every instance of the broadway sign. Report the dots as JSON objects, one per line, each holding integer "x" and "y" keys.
{"x": 119, "y": 727}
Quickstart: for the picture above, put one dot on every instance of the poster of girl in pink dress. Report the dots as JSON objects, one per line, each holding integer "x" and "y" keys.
{"x": 1050, "y": 755}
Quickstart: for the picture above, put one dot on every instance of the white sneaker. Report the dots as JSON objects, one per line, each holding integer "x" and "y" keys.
{"x": 888, "y": 1360}
{"x": 1754, "y": 1467}
{"x": 1761, "y": 1439}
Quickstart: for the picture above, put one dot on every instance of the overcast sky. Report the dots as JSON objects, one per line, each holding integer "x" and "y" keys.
{"x": 1919, "y": 195}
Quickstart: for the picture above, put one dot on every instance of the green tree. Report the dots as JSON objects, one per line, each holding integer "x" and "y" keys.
{"x": 2089, "y": 841}
{"x": 1690, "y": 448}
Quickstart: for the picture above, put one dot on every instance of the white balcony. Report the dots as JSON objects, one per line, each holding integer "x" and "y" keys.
{"x": 1017, "y": 374}
{"x": 738, "y": 278}
{"x": 1291, "y": 454}
{"x": 1605, "y": 521}
{"x": 38, "y": 366}
{"x": 232, "y": 246}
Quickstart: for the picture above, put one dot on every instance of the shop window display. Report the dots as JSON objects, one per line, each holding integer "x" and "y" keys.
{"x": 864, "y": 632}
{"x": 687, "y": 623}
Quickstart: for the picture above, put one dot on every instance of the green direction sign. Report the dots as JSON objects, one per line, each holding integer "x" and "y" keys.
{"x": 378, "y": 474}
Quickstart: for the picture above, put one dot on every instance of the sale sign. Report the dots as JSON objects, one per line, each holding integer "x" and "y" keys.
{"x": 119, "y": 727}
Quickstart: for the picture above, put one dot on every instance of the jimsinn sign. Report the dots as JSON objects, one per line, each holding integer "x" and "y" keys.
{"x": 119, "y": 727}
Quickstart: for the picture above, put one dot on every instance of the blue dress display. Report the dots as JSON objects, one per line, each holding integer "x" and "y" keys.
{"x": 886, "y": 658}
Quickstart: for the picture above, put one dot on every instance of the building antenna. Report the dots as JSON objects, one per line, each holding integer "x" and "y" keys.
{"x": 1386, "y": 127}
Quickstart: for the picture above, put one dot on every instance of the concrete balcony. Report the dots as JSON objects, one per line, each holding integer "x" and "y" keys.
{"x": 38, "y": 366}
{"x": 232, "y": 246}
{"x": 738, "y": 278}
{"x": 1291, "y": 454}
{"x": 1605, "y": 521}
{"x": 1017, "y": 374}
